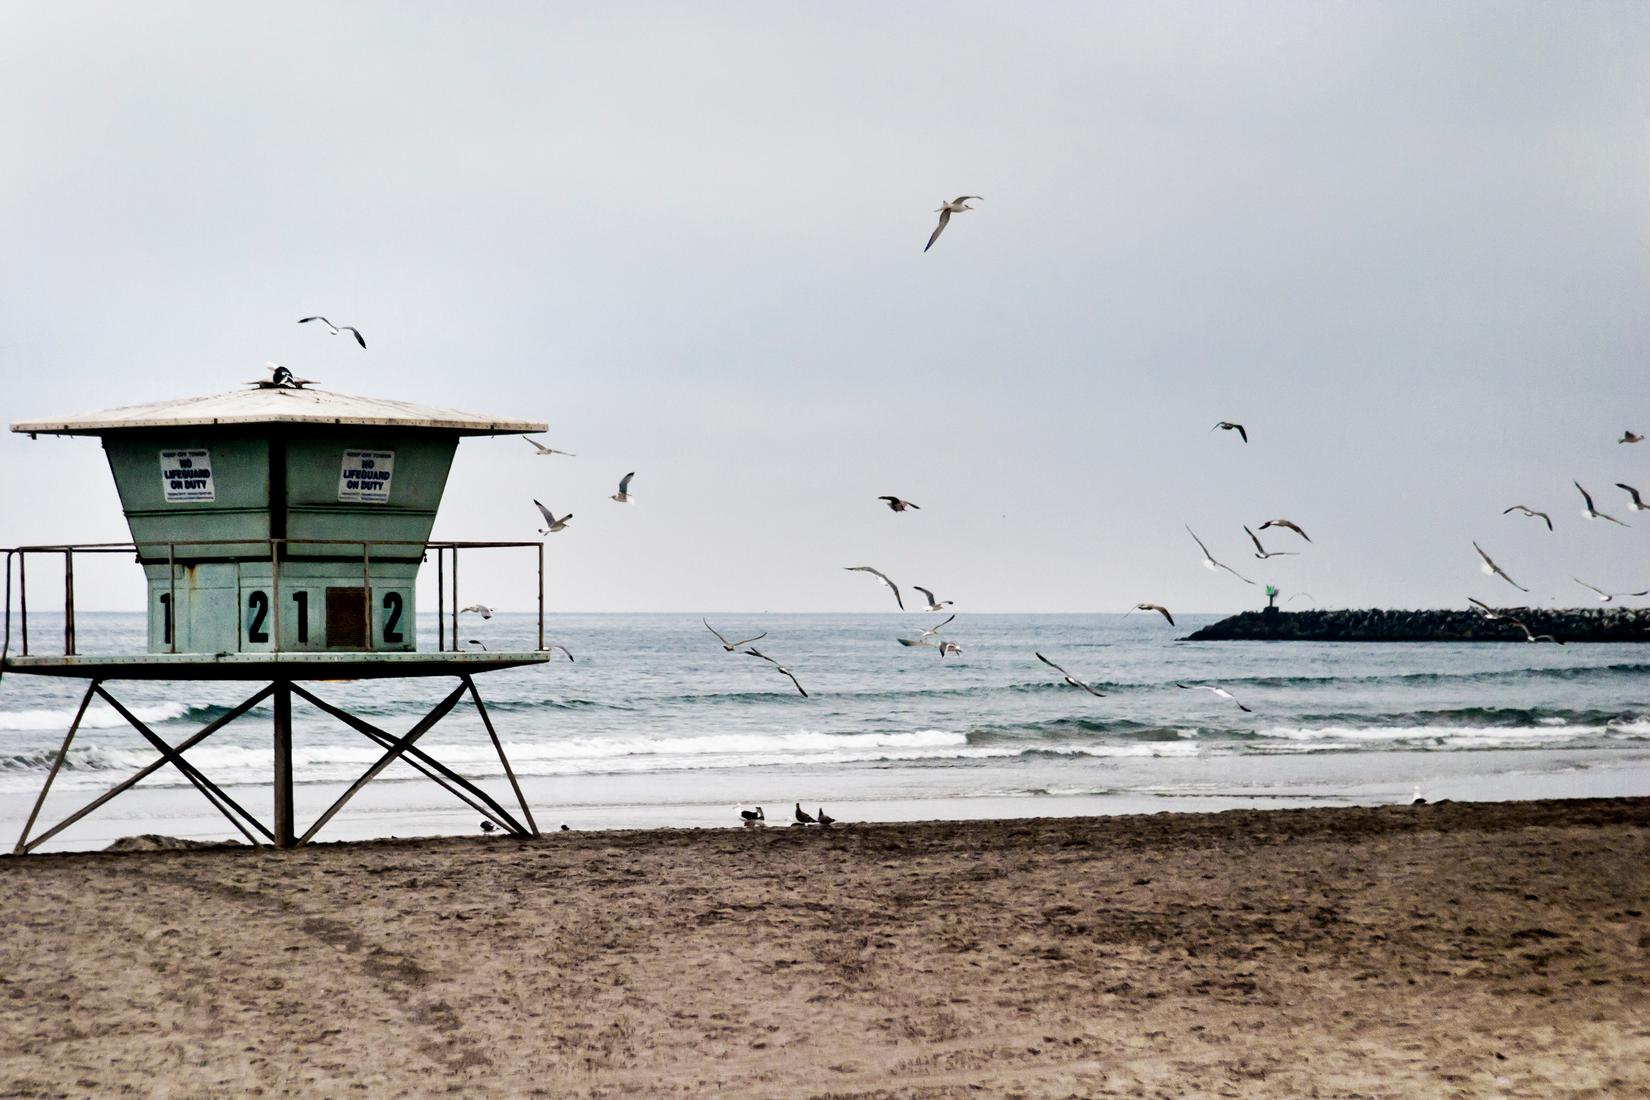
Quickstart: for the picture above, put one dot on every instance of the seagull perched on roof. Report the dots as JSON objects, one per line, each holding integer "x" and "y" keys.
{"x": 1491, "y": 569}
{"x": 543, "y": 450}
{"x": 933, "y": 604}
{"x": 1070, "y": 679}
{"x": 1519, "y": 508}
{"x": 879, "y": 575}
{"x": 1157, "y": 607}
{"x": 280, "y": 378}
{"x": 477, "y": 608}
{"x": 1220, "y": 691}
{"x": 554, "y": 523}
{"x": 780, "y": 667}
{"x": 1262, "y": 553}
{"x": 336, "y": 329}
{"x": 1628, "y": 435}
{"x": 1286, "y": 523}
{"x": 895, "y": 504}
{"x": 1606, "y": 597}
{"x": 1210, "y": 563}
{"x": 1637, "y": 504}
{"x": 1231, "y": 427}
{"x": 1593, "y": 513}
{"x": 955, "y": 206}
{"x": 623, "y": 495}
{"x": 727, "y": 646}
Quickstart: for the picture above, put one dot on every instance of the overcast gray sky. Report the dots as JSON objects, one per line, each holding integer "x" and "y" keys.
{"x": 1406, "y": 245}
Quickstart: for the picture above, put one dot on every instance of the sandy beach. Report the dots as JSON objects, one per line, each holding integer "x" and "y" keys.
{"x": 1444, "y": 950}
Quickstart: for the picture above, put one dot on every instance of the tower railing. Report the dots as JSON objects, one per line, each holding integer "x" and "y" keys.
{"x": 277, "y": 550}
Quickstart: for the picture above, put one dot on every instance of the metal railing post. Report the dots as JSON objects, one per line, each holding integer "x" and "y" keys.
{"x": 172, "y": 594}
{"x": 68, "y": 603}
{"x": 541, "y": 595}
{"x": 440, "y": 600}
{"x": 275, "y": 587}
{"x": 23, "y": 595}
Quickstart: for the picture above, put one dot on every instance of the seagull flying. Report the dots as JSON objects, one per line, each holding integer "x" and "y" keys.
{"x": 1628, "y": 435}
{"x": 1220, "y": 691}
{"x": 336, "y": 329}
{"x": 1231, "y": 427}
{"x": 1606, "y": 597}
{"x": 780, "y": 667}
{"x": 1519, "y": 508}
{"x": 1262, "y": 553}
{"x": 478, "y": 608}
{"x": 552, "y": 647}
{"x": 931, "y": 631}
{"x": 1210, "y": 563}
{"x": 623, "y": 495}
{"x": 1070, "y": 679}
{"x": 1157, "y": 607}
{"x": 933, "y": 605}
{"x": 1485, "y": 609}
{"x": 955, "y": 206}
{"x": 1638, "y": 504}
{"x": 879, "y": 576}
{"x": 1593, "y": 513}
{"x": 727, "y": 646}
{"x": 1531, "y": 636}
{"x": 1493, "y": 570}
{"x": 897, "y": 505}
{"x": 477, "y": 642}
{"x": 948, "y": 648}
{"x": 543, "y": 450}
{"x": 1286, "y": 523}
{"x": 554, "y": 523}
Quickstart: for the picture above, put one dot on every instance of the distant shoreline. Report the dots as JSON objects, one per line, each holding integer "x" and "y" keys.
{"x": 1603, "y": 624}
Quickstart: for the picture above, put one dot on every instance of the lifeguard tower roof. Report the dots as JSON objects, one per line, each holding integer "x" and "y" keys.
{"x": 277, "y": 405}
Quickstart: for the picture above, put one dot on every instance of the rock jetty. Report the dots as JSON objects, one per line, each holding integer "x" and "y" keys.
{"x": 1594, "y": 624}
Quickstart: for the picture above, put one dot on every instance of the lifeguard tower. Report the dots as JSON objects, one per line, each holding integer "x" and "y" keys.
{"x": 280, "y": 529}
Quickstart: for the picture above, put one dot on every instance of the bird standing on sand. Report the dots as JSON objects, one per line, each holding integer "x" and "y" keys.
{"x": 803, "y": 818}
{"x": 1606, "y": 597}
{"x": 1209, "y": 561}
{"x": 879, "y": 575}
{"x": 1285, "y": 523}
{"x": 727, "y": 646}
{"x": 1231, "y": 427}
{"x": 751, "y": 817}
{"x": 1593, "y": 513}
{"x": 1262, "y": 553}
{"x": 780, "y": 667}
{"x": 1531, "y": 512}
{"x": 554, "y": 523}
{"x": 1628, "y": 435}
{"x": 895, "y": 504}
{"x": 487, "y": 826}
{"x": 543, "y": 450}
{"x": 955, "y": 206}
{"x": 1637, "y": 504}
{"x": 623, "y": 495}
{"x": 336, "y": 329}
{"x": 824, "y": 821}
{"x": 480, "y": 609}
{"x": 1157, "y": 607}
{"x": 1490, "y": 569}
{"x": 1220, "y": 691}
{"x": 1070, "y": 679}
{"x": 933, "y": 604}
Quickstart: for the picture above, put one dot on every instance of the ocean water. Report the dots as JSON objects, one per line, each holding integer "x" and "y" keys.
{"x": 654, "y": 724}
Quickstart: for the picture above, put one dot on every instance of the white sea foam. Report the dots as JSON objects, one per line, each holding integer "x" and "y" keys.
{"x": 98, "y": 716}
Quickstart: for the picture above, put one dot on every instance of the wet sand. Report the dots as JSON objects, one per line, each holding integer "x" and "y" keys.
{"x": 1490, "y": 949}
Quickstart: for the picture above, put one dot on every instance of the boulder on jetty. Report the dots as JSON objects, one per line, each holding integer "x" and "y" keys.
{"x": 1592, "y": 624}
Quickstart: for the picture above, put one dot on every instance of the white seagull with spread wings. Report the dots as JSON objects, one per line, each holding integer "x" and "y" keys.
{"x": 1209, "y": 561}
{"x": 879, "y": 575}
{"x": 955, "y": 206}
{"x": 1490, "y": 569}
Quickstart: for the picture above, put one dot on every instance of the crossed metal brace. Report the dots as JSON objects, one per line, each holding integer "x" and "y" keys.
{"x": 395, "y": 748}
